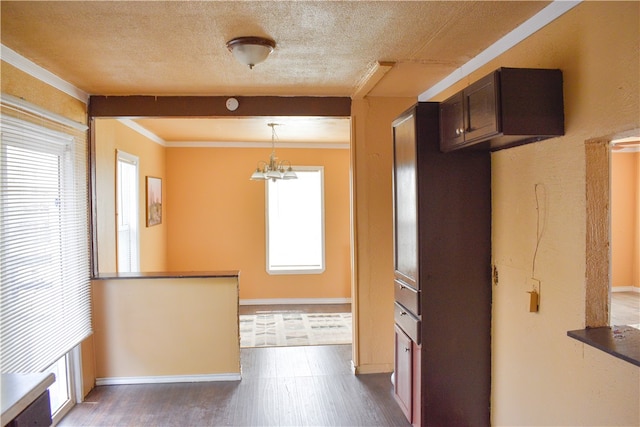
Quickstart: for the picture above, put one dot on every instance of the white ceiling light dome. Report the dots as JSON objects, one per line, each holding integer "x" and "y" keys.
{"x": 251, "y": 50}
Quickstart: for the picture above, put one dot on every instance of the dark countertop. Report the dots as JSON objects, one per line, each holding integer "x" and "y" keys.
{"x": 168, "y": 275}
{"x": 20, "y": 390}
{"x": 622, "y": 342}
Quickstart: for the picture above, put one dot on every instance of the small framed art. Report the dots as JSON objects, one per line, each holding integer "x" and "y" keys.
{"x": 154, "y": 201}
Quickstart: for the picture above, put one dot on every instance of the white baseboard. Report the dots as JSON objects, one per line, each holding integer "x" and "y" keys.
{"x": 298, "y": 301}
{"x": 166, "y": 379}
{"x": 625, "y": 289}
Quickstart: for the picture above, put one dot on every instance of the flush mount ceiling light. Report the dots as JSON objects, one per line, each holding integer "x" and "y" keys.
{"x": 251, "y": 50}
{"x": 274, "y": 169}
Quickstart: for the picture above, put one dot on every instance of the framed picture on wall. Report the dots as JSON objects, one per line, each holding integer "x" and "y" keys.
{"x": 154, "y": 201}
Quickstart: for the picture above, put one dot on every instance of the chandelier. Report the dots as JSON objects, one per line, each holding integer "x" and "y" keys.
{"x": 274, "y": 169}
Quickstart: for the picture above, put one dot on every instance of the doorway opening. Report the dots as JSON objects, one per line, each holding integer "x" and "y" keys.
{"x": 625, "y": 231}
{"x": 603, "y": 228}
{"x": 216, "y": 217}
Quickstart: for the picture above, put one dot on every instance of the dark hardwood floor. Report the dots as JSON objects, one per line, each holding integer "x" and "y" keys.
{"x": 281, "y": 386}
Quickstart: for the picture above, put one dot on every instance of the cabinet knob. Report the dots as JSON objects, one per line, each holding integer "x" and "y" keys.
{"x": 406, "y": 349}
{"x": 458, "y": 132}
{"x": 404, "y": 313}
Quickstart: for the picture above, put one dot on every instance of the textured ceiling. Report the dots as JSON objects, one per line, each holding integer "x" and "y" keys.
{"x": 324, "y": 48}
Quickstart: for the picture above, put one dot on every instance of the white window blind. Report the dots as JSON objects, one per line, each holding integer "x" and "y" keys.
{"x": 295, "y": 223}
{"x": 44, "y": 237}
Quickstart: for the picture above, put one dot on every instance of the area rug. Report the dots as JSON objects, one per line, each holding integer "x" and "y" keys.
{"x": 294, "y": 329}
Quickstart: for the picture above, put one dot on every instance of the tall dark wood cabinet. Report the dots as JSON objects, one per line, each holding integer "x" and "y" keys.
{"x": 442, "y": 239}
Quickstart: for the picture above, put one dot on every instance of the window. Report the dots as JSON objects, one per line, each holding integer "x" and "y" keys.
{"x": 127, "y": 213}
{"x": 44, "y": 248}
{"x": 295, "y": 223}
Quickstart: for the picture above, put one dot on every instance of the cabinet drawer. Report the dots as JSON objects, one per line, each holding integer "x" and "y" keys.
{"x": 407, "y": 296}
{"x": 408, "y": 322}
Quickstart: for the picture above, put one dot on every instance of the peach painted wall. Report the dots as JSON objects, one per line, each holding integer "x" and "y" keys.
{"x": 217, "y": 219}
{"x": 373, "y": 222}
{"x": 188, "y": 327}
{"x": 111, "y": 135}
{"x": 22, "y": 85}
{"x": 539, "y": 375}
{"x": 625, "y": 218}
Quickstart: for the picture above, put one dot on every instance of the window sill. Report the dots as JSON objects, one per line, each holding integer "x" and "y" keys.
{"x": 622, "y": 342}
{"x": 294, "y": 271}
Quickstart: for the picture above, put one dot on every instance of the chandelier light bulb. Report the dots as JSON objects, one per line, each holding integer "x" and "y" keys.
{"x": 273, "y": 169}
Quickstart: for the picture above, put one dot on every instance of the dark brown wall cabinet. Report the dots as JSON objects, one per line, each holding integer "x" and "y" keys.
{"x": 442, "y": 285}
{"x": 511, "y": 106}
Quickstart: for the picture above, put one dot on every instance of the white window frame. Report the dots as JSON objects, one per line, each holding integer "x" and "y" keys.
{"x": 297, "y": 269}
{"x": 124, "y": 157}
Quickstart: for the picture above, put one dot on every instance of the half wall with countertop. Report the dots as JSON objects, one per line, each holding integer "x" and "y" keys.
{"x": 166, "y": 327}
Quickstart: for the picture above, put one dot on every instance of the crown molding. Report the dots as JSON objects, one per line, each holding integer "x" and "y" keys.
{"x": 23, "y": 64}
{"x": 530, "y": 26}
{"x": 143, "y": 131}
{"x": 240, "y": 144}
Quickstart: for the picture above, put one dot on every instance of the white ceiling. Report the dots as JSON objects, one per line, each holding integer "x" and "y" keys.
{"x": 324, "y": 48}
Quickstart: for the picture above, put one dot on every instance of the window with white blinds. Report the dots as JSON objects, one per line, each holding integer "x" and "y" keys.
{"x": 44, "y": 238}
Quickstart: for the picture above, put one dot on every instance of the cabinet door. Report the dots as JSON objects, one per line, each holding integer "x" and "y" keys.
{"x": 404, "y": 199}
{"x": 403, "y": 384}
{"x": 481, "y": 109}
{"x": 452, "y": 122}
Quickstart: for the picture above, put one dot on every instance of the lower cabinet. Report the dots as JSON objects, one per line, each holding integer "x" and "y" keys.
{"x": 37, "y": 413}
{"x": 407, "y": 376}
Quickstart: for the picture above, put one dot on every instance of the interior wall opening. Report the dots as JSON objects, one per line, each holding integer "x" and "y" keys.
{"x": 611, "y": 212}
{"x": 625, "y": 231}
{"x": 190, "y": 219}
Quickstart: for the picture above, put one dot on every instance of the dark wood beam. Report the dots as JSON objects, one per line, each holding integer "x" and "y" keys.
{"x": 215, "y": 106}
